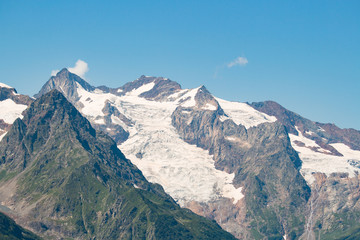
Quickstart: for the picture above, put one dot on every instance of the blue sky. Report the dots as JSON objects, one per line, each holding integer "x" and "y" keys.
{"x": 303, "y": 54}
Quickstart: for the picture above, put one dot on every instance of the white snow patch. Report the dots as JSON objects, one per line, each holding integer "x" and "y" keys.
{"x": 242, "y": 113}
{"x": 98, "y": 91}
{"x": 309, "y": 132}
{"x": 223, "y": 118}
{"x": 321, "y": 129}
{"x": 231, "y": 139}
{"x": 321, "y": 162}
{"x": 10, "y": 110}
{"x": 188, "y": 99}
{"x": 176, "y": 95}
{"x": 346, "y": 151}
{"x": 209, "y": 106}
{"x": 93, "y": 102}
{"x": 99, "y": 121}
{"x": 120, "y": 90}
{"x": 2, "y": 136}
{"x": 142, "y": 89}
{"x": 3, "y": 85}
{"x": 229, "y": 191}
{"x": 308, "y": 142}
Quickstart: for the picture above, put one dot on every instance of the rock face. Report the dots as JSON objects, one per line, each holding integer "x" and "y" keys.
{"x": 240, "y": 164}
{"x": 334, "y": 208}
{"x": 163, "y": 87}
{"x": 322, "y": 134}
{"x": 68, "y": 83}
{"x": 330, "y": 164}
{"x": 65, "y": 82}
{"x": 264, "y": 163}
{"x": 64, "y": 179}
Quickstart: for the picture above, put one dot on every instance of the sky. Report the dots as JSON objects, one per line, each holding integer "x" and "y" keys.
{"x": 304, "y": 55}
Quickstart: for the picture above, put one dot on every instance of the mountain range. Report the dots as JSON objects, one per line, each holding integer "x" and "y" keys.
{"x": 149, "y": 151}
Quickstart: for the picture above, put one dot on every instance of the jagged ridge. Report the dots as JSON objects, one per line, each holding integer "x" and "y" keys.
{"x": 74, "y": 182}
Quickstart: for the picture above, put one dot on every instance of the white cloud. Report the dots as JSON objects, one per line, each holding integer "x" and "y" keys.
{"x": 80, "y": 68}
{"x": 54, "y": 72}
{"x": 241, "y": 61}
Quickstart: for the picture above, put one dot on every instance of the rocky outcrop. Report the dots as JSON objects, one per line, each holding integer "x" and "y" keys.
{"x": 348, "y": 136}
{"x": 66, "y": 83}
{"x": 333, "y": 211}
{"x": 64, "y": 179}
{"x": 264, "y": 163}
{"x": 322, "y": 134}
{"x": 115, "y": 131}
{"x": 11, "y": 93}
{"x": 163, "y": 87}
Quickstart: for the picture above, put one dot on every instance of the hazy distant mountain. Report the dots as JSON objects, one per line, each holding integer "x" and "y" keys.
{"x": 64, "y": 179}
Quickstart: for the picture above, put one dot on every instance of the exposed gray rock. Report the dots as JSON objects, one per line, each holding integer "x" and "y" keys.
{"x": 65, "y": 82}
{"x": 163, "y": 87}
{"x": 333, "y": 211}
{"x": 264, "y": 163}
{"x": 322, "y": 134}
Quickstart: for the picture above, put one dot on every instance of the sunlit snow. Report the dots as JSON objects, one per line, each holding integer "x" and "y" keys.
{"x": 2, "y": 136}
{"x": 4, "y": 85}
{"x": 320, "y": 162}
{"x": 142, "y": 89}
{"x": 188, "y": 99}
{"x": 210, "y": 107}
{"x": 242, "y": 113}
{"x": 10, "y": 110}
{"x": 93, "y": 102}
{"x": 185, "y": 171}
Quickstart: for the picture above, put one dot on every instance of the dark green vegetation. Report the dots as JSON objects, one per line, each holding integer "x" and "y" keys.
{"x": 343, "y": 227}
{"x": 9, "y": 230}
{"x": 72, "y": 181}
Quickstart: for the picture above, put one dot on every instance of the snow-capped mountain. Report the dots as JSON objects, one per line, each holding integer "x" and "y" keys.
{"x": 12, "y": 105}
{"x": 322, "y": 147}
{"x": 64, "y": 180}
{"x": 259, "y": 170}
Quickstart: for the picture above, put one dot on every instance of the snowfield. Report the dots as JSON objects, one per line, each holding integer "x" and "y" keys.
{"x": 321, "y": 162}
{"x": 185, "y": 171}
{"x": 10, "y": 111}
{"x": 242, "y": 113}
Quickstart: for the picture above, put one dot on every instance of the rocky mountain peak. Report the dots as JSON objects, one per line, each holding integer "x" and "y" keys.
{"x": 75, "y": 183}
{"x": 205, "y": 100}
{"x": 67, "y": 83}
{"x": 3, "y": 85}
{"x": 157, "y": 88}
